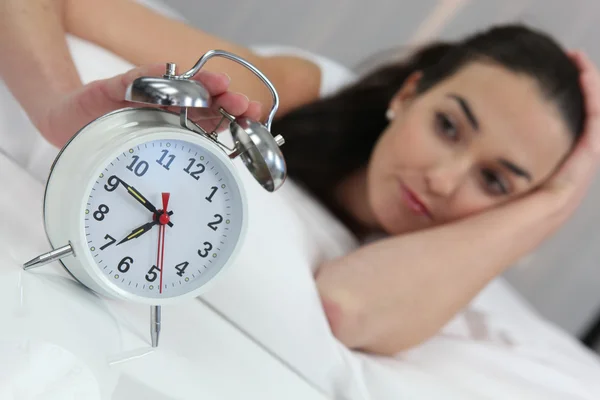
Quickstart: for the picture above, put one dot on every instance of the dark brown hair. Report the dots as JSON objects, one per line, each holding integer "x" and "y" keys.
{"x": 332, "y": 137}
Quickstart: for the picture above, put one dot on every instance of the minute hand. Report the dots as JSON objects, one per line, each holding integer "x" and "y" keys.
{"x": 138, "y": 196}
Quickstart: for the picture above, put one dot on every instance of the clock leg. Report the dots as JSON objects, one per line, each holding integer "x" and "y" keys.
{"x": 155, "y": 324}
{"x": 47, "y": 258}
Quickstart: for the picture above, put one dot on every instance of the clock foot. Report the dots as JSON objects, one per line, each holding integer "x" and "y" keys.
{"x": 47, "y": 258}
{"x": 155, "y": 324}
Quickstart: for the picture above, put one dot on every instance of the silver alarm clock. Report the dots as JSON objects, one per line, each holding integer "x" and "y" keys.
{"x": 144, "y": 205}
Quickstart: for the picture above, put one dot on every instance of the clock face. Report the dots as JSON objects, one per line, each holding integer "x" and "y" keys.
{"x": 163, "y": 218}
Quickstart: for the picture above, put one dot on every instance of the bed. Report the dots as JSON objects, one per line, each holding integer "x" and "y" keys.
{"x": 259, "y": 333}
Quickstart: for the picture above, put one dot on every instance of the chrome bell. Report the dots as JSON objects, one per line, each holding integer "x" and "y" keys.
{"x": 169, "y": 90}
{"x": 260, "y": 152}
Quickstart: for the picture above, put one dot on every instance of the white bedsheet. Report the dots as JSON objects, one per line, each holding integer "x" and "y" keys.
{"x": 497, "y": 348}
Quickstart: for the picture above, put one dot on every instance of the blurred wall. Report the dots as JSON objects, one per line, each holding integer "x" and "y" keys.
{"x": 562, "y": 279}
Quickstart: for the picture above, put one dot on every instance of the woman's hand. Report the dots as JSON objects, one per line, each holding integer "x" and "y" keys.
{"x": 70, "y": 112}
{"x": 567, "y": 187}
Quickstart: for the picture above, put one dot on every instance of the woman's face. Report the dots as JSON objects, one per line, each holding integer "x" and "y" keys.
{"x": 479, "y": 138}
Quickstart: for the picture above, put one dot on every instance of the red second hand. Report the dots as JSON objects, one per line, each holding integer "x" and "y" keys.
{"x": 163, "y": 219}
{"x": 161, "y": 232}
{"x": 160, "y": 229}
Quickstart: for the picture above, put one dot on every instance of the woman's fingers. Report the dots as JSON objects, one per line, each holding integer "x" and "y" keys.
{"x": 590, "y": 82}
{"x": 576, "y": 173}
{"x": 574, "y": 55}
{"x": 234, "y": 103}
{"x": 254, "y": 111}
{"x": 215, "y": 83}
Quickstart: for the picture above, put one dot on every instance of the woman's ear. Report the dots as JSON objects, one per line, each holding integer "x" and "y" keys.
{"x": 405, "y": 94}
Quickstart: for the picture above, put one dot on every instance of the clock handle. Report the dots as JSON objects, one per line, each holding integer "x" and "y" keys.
{"x": 47, "y": 258}
{"x": 230, "y": 56}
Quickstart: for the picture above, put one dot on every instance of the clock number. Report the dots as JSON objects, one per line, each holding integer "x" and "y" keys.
{"x": 125, "y": 264}
{"x": 102, "y": 210}
{"x": 213, "y": 225}
{"x": 204, "y": 253}
{"x": 181, "y": 268}
{"x": 212, "y": 193}
{"x": 165, "y": 153}
{"x": 112, "y": 184}
{"x": 138, "y": 168}
{"x": 110, "y": 239}
{"x": 195, "y": 174}
{"x": 152, "y": 274}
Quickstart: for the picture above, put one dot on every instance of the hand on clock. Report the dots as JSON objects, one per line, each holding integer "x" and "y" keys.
{"x": 138, "y": 196}
{"x": 139, "y": 231}
{"x": 164, "y": 219}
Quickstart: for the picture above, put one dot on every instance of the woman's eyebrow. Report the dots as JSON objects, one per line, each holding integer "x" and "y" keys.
{"x": 516, "y": 170}
{"x": 464, "y": 105}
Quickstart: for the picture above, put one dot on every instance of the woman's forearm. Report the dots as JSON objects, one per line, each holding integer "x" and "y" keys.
{"x": 143, "y": 36}
{"x": 395, "y": 293}
{"x": 36, "y": 63}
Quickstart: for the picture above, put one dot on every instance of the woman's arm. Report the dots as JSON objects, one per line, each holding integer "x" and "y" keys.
{"x": 394, "y": 294}
{"x": 38, "y": 69}
{"x": 36, "y": 63}
{"x": 143, "y": 36}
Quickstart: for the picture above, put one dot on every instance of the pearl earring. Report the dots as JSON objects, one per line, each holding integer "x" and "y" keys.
{"x": 389, "y": 114}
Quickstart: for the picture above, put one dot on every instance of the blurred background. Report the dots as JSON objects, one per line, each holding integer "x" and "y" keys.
{"x": 562, "y": 279}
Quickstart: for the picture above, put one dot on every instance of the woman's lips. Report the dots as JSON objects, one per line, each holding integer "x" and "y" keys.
{"x": 413, "y": 202}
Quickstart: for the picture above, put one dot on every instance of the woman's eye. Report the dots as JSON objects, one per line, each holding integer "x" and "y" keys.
{"x": 493, "y": 183}
{"x": 446, "y": 127}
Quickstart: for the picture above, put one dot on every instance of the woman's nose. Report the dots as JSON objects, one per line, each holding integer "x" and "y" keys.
{"x": 445, "y": 178}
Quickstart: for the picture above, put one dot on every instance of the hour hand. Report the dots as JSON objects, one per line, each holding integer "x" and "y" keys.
{"x": 139, "y": 231}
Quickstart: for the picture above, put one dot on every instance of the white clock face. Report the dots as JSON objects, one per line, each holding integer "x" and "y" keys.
{"x": 156, "y": 254}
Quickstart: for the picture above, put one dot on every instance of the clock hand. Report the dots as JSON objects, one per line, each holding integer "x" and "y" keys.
{"x": 160, "y": 258}
{"x": 139, "y": 231}
{"x": 165, "y": 200}
{"x": 164, "y": 219}
{"x": 138, "y": 196}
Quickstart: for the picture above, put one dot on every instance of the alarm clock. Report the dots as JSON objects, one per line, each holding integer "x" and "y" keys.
{"x": 144, "y": 205}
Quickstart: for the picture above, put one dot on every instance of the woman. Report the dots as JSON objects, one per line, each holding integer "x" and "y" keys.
{"x": 467, "y": 155}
